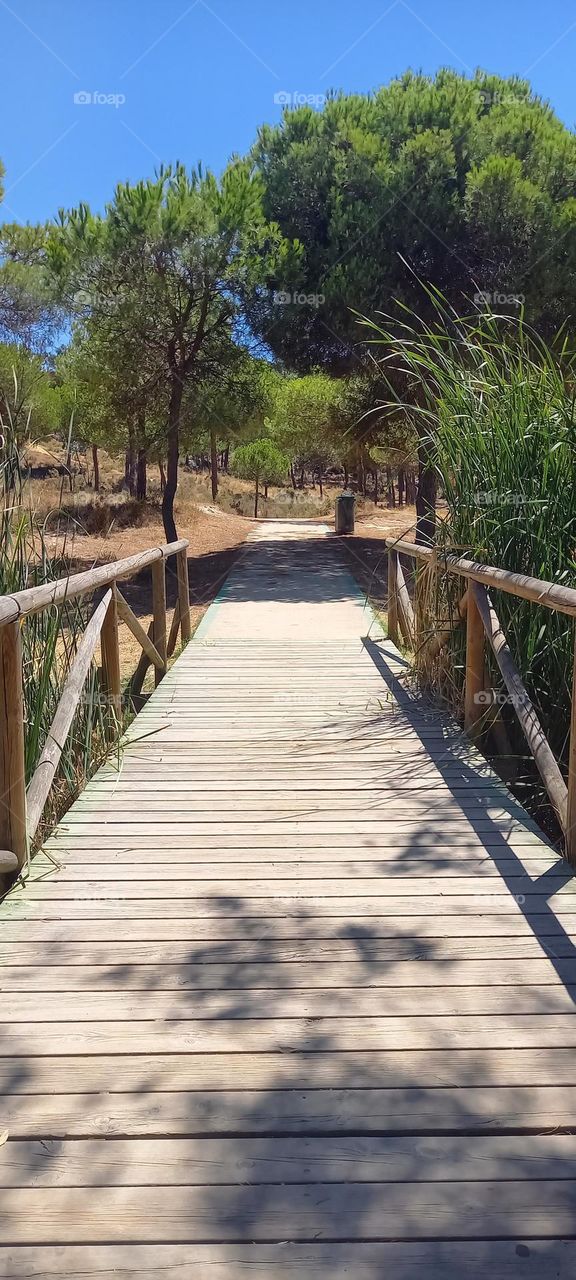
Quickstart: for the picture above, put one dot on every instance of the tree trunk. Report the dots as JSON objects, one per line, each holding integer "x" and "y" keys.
{"x": 226, "y": 458}
{"x": 256, "y": 496}
{"x": 320, "y": 484}
{"x": 176, "y": 392}
{"x": 292, "y": 476}
{"x": 425, "y": 498}
{"x": 376, "y": 486}
{"x": 213, "y": 464}
{"x": 162, "y": 476}
{"x": 141, "y": 477}
{"x": 346, "y": 476}
{"x": 130, "y": 463}
{"x": 96, "y": 467}
{"x": 390, "y": 484}
{"x": 265, "y": 490}
{"x": 401, "y": 485}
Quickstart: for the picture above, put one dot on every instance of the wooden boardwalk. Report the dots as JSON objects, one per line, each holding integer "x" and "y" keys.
{"x": 297, "y": 1001}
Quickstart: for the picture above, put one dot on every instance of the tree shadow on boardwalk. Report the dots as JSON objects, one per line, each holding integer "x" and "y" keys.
{"x": 356, "y": 1145}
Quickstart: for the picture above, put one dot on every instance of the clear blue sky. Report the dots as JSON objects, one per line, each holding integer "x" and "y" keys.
{"x": 199, "y": 76}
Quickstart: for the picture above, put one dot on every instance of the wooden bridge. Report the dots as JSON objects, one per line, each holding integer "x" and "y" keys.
{"x": 290, "y": 992}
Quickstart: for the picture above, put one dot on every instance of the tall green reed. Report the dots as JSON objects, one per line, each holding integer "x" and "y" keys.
{"x": 495, "y": 405}
{"x": 49, "y": 638}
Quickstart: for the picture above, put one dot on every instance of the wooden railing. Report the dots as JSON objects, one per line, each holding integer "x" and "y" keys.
{"x": 405, "y": 621}
{"x": 21, "y": 807}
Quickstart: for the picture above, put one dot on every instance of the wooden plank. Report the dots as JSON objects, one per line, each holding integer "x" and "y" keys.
{"x": 498, "y": 1082}
{"x": 281, "y": 878}
{"x": 237, "y": 975}
{"x": 410, "y": 841}
{"x": 290, "y": 917}
{"x": 544, "y": 1260}
{"x": 391, "y": 894}
{"x": 159, "y": 616}
{"x": 465, "y": 873}
{"x": 240, "y": 1004}
{"x": 502, "y": 1209}
{"x": 135, "y": 626}
{"x": 261, "y": 1034}
{"x": 13, "y": 826}
{"x": 254, "y": 1161}
{"x": 342, "y": 803}
{"x": 529, "y": 957}
{"x": 111, "y": 682}
{"x": 37, "y": 905}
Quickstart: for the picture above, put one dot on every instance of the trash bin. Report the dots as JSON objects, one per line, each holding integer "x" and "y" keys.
{"x": 344, "y": 516}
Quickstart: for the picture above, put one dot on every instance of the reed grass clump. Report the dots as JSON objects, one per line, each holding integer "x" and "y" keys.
{"x": 49, "y": 640}
{"x": 494, "y": 406}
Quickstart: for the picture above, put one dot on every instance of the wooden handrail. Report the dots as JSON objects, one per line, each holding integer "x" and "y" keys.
{"x": 34, "y": 599}
{"x": 538, "y": 591}
{"x": 20, "y": 809}
{"x": 481, "y": 621}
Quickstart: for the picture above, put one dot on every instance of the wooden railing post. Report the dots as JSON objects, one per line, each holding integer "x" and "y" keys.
{"x": 393, "y": 595}
{"x": 184, "y": 595}
{"x": 13, "y": 836}
{"x": 475, "y": 666}
{"x": 570, "y": 833}
{"x": 159, "y": 612}
{"x": 111, "y": 666}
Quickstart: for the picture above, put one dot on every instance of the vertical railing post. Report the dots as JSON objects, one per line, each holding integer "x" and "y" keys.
{"x": 111, "y": 666}
{"x": 475, "y": 664}
{"x": 393, "y": 595}
{"x": 13, "y": 834}
{"x": 159, "y": 611}
{"x": 184, "y": 595}
{"x": 570, "y": 833}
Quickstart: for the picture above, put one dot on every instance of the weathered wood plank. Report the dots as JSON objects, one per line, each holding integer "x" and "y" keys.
{"x": 250, "y": 1035}
{"x": 523, "y": 959}
{"x": 502, "y": 1209}
{"x": 123, "y": 906}
{"x": 258, "y": 1161}
{"x": 488, "y": 1072}
{"x": 543, "y": 1260}
{"x": 54, "y": 884}
{"x": 238, "y": 1004}
{"x": 236, "y": 976}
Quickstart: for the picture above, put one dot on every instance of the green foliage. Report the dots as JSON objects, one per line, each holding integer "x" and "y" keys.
{"x": 29, "y": 404}
{"x": 160, "y": 279}
{"x": 470, "y": 181}
{"x": 303, "y": 418}
{"x": 497, "y": 406}
{"x": 29, "y": 312}
{"x": 261, "y": 461}
{"x": 233, "y": 399}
